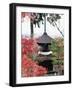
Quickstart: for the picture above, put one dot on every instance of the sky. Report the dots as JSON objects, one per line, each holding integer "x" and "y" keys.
{"x": 51, "y": 30}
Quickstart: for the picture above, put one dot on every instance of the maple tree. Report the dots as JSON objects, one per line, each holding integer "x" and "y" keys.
{"x": 29, "y": 66}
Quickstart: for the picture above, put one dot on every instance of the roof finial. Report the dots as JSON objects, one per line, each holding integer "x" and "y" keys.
{"x": 44, "y": 22}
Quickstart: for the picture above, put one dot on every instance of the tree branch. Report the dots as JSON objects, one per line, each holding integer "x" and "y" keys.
{"x": 58, "y": 29}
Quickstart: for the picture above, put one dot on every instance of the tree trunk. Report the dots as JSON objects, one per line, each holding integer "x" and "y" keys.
{"x": 31, "y": 26}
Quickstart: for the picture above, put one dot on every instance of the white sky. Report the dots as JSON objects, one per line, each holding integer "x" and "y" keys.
{"x": 51, "y": 30}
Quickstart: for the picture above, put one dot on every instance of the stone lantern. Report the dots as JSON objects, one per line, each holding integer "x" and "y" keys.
{"x": 44, "y": 54}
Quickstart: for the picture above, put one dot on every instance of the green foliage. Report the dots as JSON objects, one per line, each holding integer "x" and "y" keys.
{"x": 39, "y": 17}
{"x": 57, "y": 62}
{"x": 53, "y": 18}
{"x": 57, "y": 48}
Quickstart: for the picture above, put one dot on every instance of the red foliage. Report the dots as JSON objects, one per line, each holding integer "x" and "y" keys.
{"x": 30, "y": 67}
{"x": 30, "y": 15}
{"x": 29, "y": 46}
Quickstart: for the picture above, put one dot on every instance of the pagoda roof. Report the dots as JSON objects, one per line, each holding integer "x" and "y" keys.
{"x": 44, "y": 39}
